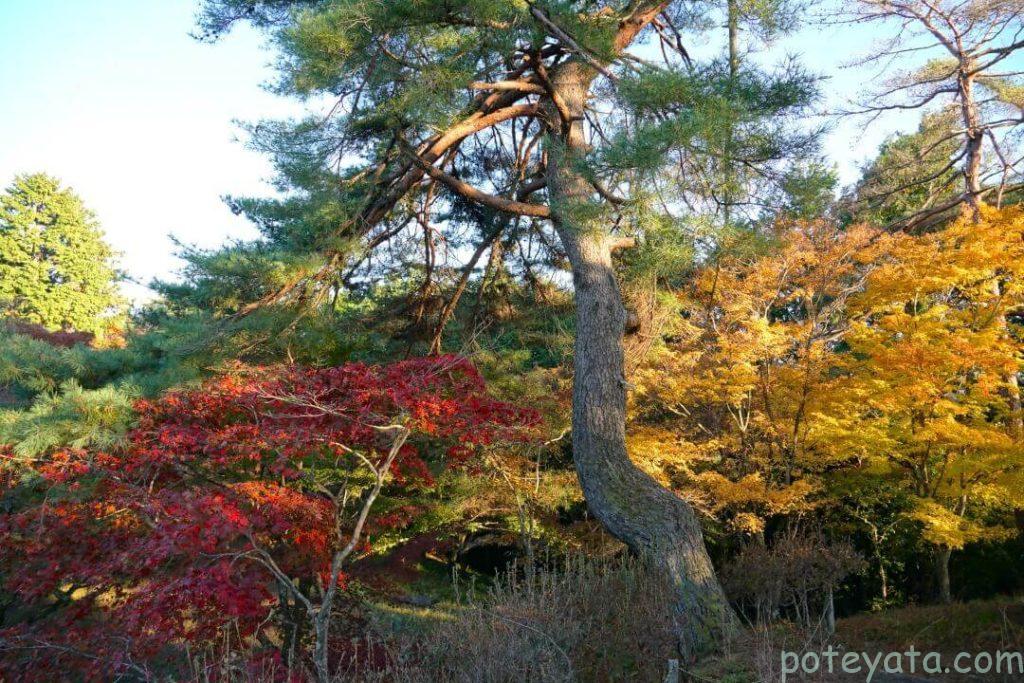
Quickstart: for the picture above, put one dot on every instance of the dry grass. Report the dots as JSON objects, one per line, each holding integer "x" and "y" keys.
{"x": 612, "y": 620}
{"x": 588, "y": 621}
{"x": 974, "y": 627}
{"x": 971, "y": 627}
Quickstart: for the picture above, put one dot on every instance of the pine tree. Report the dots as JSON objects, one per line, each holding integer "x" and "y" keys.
{"x": 55, "y": 268}
{"x": 535, "y": 121}
{"x": 912, "y": 173}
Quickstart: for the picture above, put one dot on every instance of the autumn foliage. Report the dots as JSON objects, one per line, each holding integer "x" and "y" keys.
{"x": 852, "y": 369}
{"x": 183, "y": 537}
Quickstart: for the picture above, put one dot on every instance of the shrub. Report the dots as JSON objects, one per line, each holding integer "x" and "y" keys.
{"x": 229, "y": 513}
{"x": 794, "y": 577}
{"x": 587, "y": 620}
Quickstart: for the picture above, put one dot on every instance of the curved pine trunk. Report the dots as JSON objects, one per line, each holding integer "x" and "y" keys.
{"x": 651, "y": 520}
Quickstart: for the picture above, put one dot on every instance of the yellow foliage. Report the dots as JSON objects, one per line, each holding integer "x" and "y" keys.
{"x": 845, "y": 350}
{"x": 945, "y": 528}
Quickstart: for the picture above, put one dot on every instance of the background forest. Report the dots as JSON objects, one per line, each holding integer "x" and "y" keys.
{"x": 562, "y": 353}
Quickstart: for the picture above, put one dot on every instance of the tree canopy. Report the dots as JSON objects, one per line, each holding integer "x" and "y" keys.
{"x": 551, "y": 298}
{"x": 55, "y": 267}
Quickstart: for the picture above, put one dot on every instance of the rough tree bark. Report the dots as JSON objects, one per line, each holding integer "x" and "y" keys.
{"x": 975, "y": 137}
{"x": 634, "y": 508}
{"x": 649, "y": 519}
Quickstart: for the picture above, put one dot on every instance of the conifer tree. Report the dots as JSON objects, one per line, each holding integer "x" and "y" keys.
{"x": 55, "y": 268}
{"x": 911, "y": 174}
{"x": 457, "y": 125}
{"x": 739, "y": 191}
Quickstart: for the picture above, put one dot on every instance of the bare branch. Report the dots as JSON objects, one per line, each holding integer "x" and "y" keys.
{"x": 469, "y": 192}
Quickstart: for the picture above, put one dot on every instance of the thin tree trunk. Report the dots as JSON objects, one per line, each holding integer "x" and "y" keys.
{"x": 1016, "y": 422}
{"x": 944, "y": 593}
{"x": 1017, "y": 418}
{"x": 884, "y": 578}
{"x": 734, "y": 38}
{"x": 830, "y": 612}
{"x": 975, "y": 138}
{"x": 649, "y": 519}
{"x": 733, "y": 25}
{"x": 876, "y": 549}
{"x": 449, "y": 308}
{"x": 321, "y": 614}
{"x": 494, "y": 262}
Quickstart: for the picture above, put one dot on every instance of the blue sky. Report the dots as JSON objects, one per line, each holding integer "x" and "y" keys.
{"x": 116, "y": 99}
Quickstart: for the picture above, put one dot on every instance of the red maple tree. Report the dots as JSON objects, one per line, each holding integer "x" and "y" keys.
{"x": 233, "y": 510}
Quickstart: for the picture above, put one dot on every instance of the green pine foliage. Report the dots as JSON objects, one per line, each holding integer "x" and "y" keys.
{"x": 911, "y": 171}
{"x": 55, "y": 268}
{"x": 71, "y": 417}
{"x": 30, "y": 366}
{"x": 675, "y": 134}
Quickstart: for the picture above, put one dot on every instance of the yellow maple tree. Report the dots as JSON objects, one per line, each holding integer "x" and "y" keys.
{"x": 725, "y": 406}
{"x": 846, "y": 351}
{"x": 929, "y": 377}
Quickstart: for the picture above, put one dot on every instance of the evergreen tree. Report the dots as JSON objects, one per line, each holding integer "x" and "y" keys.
{"x": 760, "y": 164}
{"x": 55, "y": 268}
{"x": 912, "y": 172}
{"x": 529, "y": 130}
